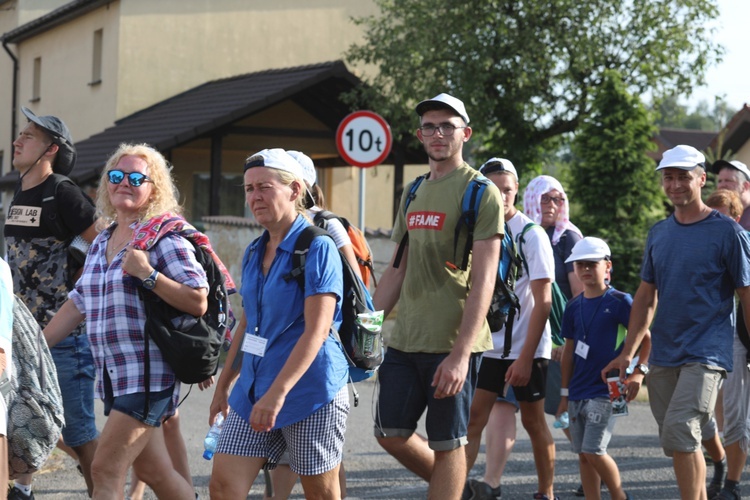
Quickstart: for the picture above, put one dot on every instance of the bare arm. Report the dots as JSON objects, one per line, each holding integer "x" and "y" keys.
{"x": 220, "y": 401}
{"x": 641, "y": 314}
{"x": 348, "y": 251}
{"x": 635, "y": 380}
{"x": 190, "y": 300}
{"x": 519, "y": 372}
{"x": 319, "y": 310}
{"x": 62, "y": 323}
{"x": 566, "y": 368}
{"x": 389, "y": 286}
{"x": 90, "y": 233}
{"x": 451, "y": 373}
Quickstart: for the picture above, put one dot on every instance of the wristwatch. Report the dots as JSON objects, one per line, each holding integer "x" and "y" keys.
{"x": 642, "y": 368}
{"x": 150, "y": 282}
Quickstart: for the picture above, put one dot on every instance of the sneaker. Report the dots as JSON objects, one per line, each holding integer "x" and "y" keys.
{"x": 542, "y": 496}
{"x": 724, "y": 494}
{"x": 16, "y": 494}
{"x": 720, "y": 474}
{"x": 483, "y": 491}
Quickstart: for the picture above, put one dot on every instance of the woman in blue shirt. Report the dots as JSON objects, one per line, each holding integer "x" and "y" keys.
{"x": 291, "y": 388}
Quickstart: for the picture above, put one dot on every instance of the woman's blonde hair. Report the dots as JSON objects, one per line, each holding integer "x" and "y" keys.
{"x": 724, "y": 198}
{"x": 164, "y": 194}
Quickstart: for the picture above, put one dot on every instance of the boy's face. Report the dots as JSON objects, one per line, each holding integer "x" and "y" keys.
{"x": 592, "y": 273}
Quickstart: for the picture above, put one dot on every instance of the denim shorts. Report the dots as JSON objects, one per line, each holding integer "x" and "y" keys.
{"x": 406, "y": 391}
{"x": 76, "y": 375}
{"x": 133, "y": 404}
{"x": 591, "y": 425}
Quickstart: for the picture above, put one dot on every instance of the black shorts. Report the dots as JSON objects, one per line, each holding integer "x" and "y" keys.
{"x": 492, "y": 378}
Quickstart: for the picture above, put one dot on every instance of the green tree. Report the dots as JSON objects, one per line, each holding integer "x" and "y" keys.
{"x": 614, "y": 182}
{"x": 672, "y": 114}
{"x": 527, "y": 71}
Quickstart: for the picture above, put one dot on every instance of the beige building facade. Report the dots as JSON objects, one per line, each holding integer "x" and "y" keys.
{"x": 95, "y": 62}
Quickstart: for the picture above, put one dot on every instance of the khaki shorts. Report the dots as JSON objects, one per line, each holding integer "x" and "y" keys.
{"x": 682, "y": 400}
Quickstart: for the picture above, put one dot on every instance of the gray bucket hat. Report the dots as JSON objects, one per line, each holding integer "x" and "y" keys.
{"x": 58, "y": 131}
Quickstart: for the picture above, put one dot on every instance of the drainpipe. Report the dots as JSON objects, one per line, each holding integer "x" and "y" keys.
{"x": 13, "y": 110}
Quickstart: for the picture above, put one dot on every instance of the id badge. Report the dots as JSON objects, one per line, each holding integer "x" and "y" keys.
{"x": 253, "y": 344}
{"x": 582, "y": 349}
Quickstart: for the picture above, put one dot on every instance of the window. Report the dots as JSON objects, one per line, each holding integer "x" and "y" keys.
{"x": 37, "y": 82}
{"x": 231, "y": 195}
{"x": 96, "y": 66}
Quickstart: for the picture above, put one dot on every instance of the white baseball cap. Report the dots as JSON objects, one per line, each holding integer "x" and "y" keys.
{"x": 443, "y": 101}
{"x": 735, "y": 164}
{"x": 275, "y": 158}
{"x": 589, "y": 248}
{"x": 308, "y": 167}
{"x": 498, "y": 165}
{"x": 682, "y": 157}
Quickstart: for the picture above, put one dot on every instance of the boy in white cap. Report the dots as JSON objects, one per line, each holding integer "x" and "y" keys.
{"x": 694, "y": 262}
{"x": 594, "y": 326}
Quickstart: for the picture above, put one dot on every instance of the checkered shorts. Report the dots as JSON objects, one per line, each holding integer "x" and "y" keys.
{"x": 315, "y": 444}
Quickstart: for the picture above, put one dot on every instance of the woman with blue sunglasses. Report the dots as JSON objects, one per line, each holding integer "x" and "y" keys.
{"x": 135, "y": 189}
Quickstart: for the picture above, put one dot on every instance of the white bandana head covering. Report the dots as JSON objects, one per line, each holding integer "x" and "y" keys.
{"x": 532, "y": 205}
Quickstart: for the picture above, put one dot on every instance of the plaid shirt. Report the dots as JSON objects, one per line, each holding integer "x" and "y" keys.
{"x": 115, "y": 316}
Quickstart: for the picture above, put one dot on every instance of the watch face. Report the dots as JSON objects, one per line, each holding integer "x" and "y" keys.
{"x": 643, "y": 369}
{"x": 149, "y": 283}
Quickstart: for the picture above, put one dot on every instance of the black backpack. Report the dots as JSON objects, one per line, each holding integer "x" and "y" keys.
{"x": 190, "y": 345}
{"x": 363, "y": 348}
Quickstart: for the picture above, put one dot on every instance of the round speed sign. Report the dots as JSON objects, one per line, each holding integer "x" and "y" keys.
{"x": 364, "y": 139}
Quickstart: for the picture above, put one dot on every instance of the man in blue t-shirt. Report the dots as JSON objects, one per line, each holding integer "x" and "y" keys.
{"x": 693, "y": 263}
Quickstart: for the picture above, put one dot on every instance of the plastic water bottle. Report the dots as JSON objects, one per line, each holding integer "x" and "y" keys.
{"x": 563, "y": 422}
{"x": 212, "y": 438}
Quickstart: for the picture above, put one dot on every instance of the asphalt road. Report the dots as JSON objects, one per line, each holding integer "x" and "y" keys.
{"x": 371, "y": 473}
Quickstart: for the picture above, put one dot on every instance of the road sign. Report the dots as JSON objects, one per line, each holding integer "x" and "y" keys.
{"x": 364, "y": 139}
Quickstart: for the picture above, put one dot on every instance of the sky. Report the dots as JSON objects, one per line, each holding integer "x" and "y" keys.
{"x": 731, "y": 77}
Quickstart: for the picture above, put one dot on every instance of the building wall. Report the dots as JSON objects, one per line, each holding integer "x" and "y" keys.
{"x": 180, "y": 44}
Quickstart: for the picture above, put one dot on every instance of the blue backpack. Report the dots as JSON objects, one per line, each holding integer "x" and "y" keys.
{"x": 504, "y": 305}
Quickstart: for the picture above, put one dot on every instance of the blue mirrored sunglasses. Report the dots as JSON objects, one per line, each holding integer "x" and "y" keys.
{"x": 134, "y": 178}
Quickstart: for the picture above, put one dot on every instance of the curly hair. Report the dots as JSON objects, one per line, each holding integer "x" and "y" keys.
{"x": 164, "y": 194}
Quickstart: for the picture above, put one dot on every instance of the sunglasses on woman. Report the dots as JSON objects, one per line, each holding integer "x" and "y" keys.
{"x": 134, "y": 178}
{"x": 552, "y": 199}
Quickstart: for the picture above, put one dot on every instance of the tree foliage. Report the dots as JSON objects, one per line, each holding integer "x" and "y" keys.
{"x": 613, "y": 179}
{"x": 527, "y": 70}
{"x": 672, "y": 114}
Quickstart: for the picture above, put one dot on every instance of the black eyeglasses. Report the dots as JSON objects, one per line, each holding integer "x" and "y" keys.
{"x": 446, "y": 129}
{"x": 134, "y": 178}
{"x": 553, "y": 199}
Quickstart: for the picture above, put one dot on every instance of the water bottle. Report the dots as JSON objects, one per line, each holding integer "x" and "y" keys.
{"x": 212, "y": 438}
{"x": 563, "y": 422}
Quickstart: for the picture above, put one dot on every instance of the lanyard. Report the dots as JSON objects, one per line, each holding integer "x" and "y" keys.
{"x": 585, "y": 328}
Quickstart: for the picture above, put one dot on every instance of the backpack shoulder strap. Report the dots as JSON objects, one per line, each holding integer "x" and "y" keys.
{"x": 299, "y": 255}
{"x": 50, "y": 211}
{"x": 521, "y": 241}
{"x": 469, "y": 210}
{"x": 409, "y": 197}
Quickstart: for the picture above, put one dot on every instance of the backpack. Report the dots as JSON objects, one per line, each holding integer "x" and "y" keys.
{"x": 559, "y": 300}
{"x": 504, "y": 304}
{"x": 359, "y": 243}
{"x": 190, "y": 345}
{"x": 363, "y": 348}
{"x": 35, "y": 409}
{"x": 77, "y": 246}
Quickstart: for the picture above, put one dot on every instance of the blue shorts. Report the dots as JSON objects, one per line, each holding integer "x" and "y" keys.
{"x": 510, "y": 398}
{"x": 76, "y": 375}
{"x": 405, "y": 391}
{"x": 133, "y": 404}
{"x": 591, "y": 425}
